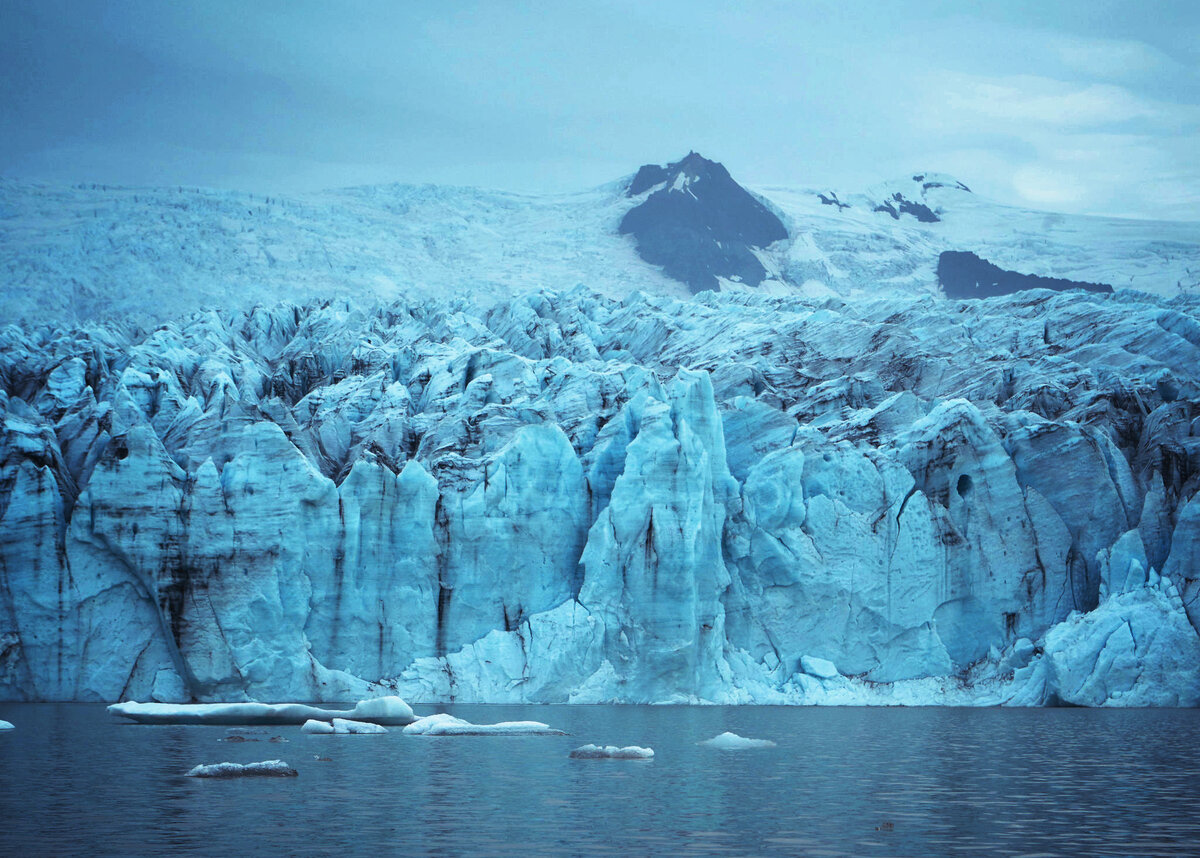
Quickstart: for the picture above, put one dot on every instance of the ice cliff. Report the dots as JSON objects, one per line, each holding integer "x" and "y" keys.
{"x": 569, "y": 497}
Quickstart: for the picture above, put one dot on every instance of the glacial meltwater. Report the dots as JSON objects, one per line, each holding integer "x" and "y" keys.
{"x": 937, "y": 781}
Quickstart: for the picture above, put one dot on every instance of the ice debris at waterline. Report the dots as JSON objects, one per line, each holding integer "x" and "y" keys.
{"x": 611, "y": 752}
{"x": 447, "y": 725}
{"x": 342, "y": 727}
{"x": 380, "y": 710}
{"x": 733, "y": 742}
{"x": 567, "y": 498}
{"x": 6, "y": 725}
{"x": 265, "y": 769}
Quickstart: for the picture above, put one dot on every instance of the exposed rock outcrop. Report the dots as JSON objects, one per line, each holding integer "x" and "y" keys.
{"x": 699, "y": 224}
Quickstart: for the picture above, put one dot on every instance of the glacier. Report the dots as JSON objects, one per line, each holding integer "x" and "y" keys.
{"x": 564, "y": 496}
{"x": 87, "y": 250}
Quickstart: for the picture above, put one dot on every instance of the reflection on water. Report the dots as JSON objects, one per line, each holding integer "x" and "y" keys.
{"x": 949, "y": 781}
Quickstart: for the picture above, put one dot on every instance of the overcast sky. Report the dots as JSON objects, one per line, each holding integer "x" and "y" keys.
{"x": 1089, "y": 107}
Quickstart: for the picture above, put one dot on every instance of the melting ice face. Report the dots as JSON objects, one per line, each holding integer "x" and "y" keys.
{"x": 570, "y": 498}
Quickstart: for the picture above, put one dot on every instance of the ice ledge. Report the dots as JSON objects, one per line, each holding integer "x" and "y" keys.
{"x": 390, "y": 711}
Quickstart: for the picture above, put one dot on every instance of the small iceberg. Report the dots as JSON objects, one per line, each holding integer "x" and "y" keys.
{"x": 381, "y": 710}
{"x": 611, "y": 752}
{"x": 734, "y": 742}
{"x": 447, "y": 725}
{"x": 342, "y": 727}
{"x": 265, "y": 769}
{"x": 5, "y": 725}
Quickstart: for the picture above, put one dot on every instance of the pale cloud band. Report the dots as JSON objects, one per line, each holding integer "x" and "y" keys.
{"x": 1088, "y": 107}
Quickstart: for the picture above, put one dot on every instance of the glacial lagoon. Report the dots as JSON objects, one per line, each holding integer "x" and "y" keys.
{"x": 886, "y": 782}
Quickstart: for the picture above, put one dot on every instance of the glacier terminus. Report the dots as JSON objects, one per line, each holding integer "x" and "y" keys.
{"x": 568, "y": 497}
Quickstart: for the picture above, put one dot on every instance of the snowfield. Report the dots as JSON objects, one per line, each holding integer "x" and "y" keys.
{"x": 857, "y": 251}
{"x": 151, "y": 254}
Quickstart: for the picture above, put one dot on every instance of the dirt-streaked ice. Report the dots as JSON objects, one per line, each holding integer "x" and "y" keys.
{"x": 566, "y": 497}
{"x": 267, "y": 768}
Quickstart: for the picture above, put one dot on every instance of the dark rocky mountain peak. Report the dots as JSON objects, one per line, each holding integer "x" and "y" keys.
{"x": 963, "y": 274}
{"x": 699, "y": 224}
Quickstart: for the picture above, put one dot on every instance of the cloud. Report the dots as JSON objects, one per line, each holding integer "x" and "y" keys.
{"x": 1046, "y": 102}
{"x": 1114, "y": 59}
{"x": 1068, "y": 145}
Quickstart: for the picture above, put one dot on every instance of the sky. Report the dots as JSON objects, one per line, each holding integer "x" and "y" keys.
{"x": 1084, "y": 107}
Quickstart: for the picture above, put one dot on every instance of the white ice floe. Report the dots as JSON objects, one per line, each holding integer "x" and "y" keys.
{"x": 447, "y": 725}
{"x": 611, "y": 752}
{"x": 5, "y": 725}
{"x": 342, "y": 726}
{"x": 381, "y": 710}
{"x": 733, "y": 742}
{"x": 265, "y": 769}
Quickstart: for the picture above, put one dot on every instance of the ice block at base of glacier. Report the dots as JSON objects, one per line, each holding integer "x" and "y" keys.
{"x": 382, "y": 710}
{"x": 611, "y": 752}
{"x": 265, "y": 769}
{"x": 447, "y": 725}
{"x": 819, "y": 667}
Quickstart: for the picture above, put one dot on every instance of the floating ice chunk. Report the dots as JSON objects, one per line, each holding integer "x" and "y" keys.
{"x": 265, "y": 769}
{"x": 447, "y": 725}
{"x": 611, "y": 752}
{"x": 381, "y": 710}
{"x": 5, "y": 725}
{"x": 733, "y": 742}
{"x": 342, "y": 726}
{"x": 391, "y": 711}
{"x": 818, "y": 667}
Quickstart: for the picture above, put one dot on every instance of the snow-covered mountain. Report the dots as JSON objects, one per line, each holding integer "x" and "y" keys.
{"x": 476, "y": 447}
{"x": 155, "y": 253}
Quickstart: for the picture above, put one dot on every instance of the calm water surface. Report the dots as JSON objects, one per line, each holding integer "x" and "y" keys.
{"x": 949, "y": 781}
